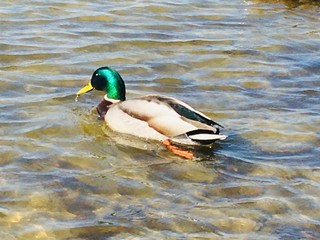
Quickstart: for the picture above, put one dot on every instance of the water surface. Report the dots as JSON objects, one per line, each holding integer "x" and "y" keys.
{"x": 253, "y": 67}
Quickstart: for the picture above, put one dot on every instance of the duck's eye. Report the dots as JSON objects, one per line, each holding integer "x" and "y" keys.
{"x": 98, "y": 82}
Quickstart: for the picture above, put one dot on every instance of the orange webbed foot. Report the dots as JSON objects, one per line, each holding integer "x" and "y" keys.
{"x": 178, "y": 151}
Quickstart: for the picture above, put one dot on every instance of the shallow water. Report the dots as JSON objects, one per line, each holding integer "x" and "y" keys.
{"x": 253, "y": 67}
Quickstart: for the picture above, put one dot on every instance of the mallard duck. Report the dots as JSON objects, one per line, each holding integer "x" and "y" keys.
{"x": 153, "y": 117}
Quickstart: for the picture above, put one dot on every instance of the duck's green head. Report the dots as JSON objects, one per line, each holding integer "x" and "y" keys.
{"x": 108, "y": 80}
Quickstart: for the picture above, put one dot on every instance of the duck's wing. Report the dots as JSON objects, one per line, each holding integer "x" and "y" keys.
{"x": 183, "y": 109}
{"x": 205, "y": 130}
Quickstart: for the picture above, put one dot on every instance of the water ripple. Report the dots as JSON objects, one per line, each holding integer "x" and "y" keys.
{"x": 250, "y": 65}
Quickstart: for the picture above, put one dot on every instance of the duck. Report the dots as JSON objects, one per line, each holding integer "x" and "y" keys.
{"x": 153, "y": 117}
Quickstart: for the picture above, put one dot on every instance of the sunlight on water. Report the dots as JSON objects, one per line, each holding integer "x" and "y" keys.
{"x": 252, "y": 66}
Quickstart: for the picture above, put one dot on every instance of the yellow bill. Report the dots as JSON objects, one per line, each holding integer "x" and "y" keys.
{"x": 85, "y": 89}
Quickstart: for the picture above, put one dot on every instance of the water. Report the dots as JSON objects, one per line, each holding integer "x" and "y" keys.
{"x": 252, "y": 66}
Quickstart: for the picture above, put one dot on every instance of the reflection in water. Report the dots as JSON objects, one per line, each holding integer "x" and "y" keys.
{"x": 250, "y": 65}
